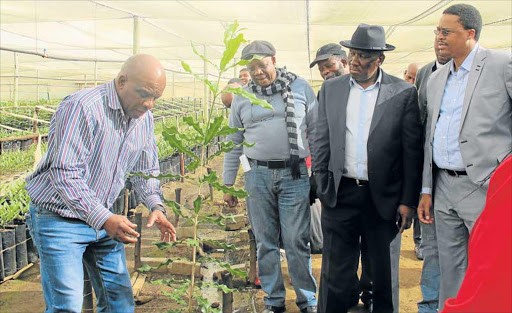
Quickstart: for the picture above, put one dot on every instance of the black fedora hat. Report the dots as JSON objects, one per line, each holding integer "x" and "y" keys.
{"x": 368, "y": 37}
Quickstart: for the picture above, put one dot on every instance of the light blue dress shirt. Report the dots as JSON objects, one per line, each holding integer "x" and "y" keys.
{"x": 360, "y": 107}
{"x": 446, "y": 152}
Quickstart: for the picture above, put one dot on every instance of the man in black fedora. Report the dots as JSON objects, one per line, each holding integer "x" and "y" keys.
{"x": 367, "y": 159}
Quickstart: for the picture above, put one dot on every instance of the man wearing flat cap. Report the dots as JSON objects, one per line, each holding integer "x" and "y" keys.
{"x": 276, "y": 176}
{"x": 367, "y": 159}
{"x": 331, "y": 60}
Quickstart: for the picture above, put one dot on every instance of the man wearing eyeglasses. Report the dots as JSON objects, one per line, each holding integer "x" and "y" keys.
{"x": 468, "y": 133}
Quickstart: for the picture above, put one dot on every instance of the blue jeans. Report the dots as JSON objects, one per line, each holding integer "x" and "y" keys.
{"x": 430, "y": 274}
{"x": 278, "y": 204}
{"x": 64, "y": 246}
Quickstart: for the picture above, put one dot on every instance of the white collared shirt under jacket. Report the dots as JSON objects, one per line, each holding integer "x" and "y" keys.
{"x": 360, "y": 107}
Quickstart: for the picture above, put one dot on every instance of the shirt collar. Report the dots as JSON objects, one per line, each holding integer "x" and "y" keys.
{"x": 466, "y": 65}
{"x": 114, "y": 102}
{"x": 374, "y": 85}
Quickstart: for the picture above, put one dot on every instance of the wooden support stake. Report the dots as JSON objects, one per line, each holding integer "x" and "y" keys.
{"x": 209, "y": 171}
{"x": 227, "y": 298}
{"x": 138, "y": 244}
{"x": 182, "y": 166}
{"x": 88, "y": 303}
{"x": 126, "y": 201}
{"x": 178, "y": 201}
{"x": 252, "y": 257}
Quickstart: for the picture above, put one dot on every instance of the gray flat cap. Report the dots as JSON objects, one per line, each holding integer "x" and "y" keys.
{"x": 258, "y": 47}
{"x": 326, "y": 51}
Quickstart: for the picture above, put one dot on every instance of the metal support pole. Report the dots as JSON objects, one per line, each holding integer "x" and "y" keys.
{"x": 206, "y": 90}
{"x": 194, "y": 92}
{"x": 37, "y": 86}
{"x": 16, "y": 66}
{"x": 138, "y": 244}
{"x": 173, "y": 90}
{"x": 136, "y": 35}
{"x": 95, "y": 74}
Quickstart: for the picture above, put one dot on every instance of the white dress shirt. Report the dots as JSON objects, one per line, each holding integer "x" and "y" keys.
{"x": 360, "y": 107}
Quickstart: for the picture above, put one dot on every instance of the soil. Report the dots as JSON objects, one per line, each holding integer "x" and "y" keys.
{"x": 24, "y": 295}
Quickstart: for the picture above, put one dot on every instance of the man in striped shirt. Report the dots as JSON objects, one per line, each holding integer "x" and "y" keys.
{"x": 97, "y": 136}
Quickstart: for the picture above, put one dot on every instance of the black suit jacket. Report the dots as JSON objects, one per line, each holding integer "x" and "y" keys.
{"x": 395, "y": 151}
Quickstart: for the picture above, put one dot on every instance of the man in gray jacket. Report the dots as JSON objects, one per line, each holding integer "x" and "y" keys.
{"x": 276, "y": 176}
{"x": 429, "y": 282}
{"x": 468, "y": 133}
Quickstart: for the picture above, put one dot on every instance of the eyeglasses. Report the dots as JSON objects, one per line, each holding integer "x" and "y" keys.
{"x": 443, "y": 31}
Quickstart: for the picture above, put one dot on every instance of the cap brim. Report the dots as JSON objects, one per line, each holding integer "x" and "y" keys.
{"x": 251, "y": 55}
{"x": 348, "y": 44}
{"x": 320, "y": 58}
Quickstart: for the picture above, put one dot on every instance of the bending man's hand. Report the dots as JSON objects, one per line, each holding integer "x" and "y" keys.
{"x": 425, "y": 209}
{"x": 167, "y": 231}
{"x": 231, "y": 201}
{"x": 406, "y": 214}
{"x": 121, "y": 229}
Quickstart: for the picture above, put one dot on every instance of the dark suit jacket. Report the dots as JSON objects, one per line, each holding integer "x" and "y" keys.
{"x": 421, "y": 84}
{"x": 394, "y": 147}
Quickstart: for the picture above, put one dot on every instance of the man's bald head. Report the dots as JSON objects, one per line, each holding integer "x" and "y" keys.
{"x": 410, "y": 73}
{"x": 139, "y": 83}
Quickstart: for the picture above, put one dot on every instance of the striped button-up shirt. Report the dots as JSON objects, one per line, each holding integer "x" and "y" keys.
{"x": 92, "y": 146}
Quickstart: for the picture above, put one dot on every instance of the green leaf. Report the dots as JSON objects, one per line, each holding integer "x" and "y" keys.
{"x": 231, "y": 49}
{"x": 191, "y": 242}
{"x": 144, "y": 268}
{"x": 202, "y": 56}
{"x": 147, "y": 268}
{"x": 227, "y": 146}
{"x": 197, "y": 204}
{"x": 177, "y": 143}
{"x": 213, "y": 87}
{"x": 195, "y": 125}
{"x": 193, "y": 165}
{"x": 159, "y": 176}
{"x": 227, "y": 266}
{"x": 214, "y": 220}
{"x": 162, "y": 245}
{"x": 218, "y": 286}
{"x": 186, "y": 67}
{"x": 227, "y": 130}
{"x": 220, "y": 244}
{"x": 213, "y": 129}
{"x": 250, "y": 96}
{"x": 213, "y": 180}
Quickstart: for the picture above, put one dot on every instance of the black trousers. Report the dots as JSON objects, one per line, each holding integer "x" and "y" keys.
{"x": 354, "y": 216}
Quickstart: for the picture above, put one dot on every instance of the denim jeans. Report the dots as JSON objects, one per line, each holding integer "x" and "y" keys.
{"x": 430, "y": 273}
{"x": 278, "y": 204}
{"x": 64, "y": 246}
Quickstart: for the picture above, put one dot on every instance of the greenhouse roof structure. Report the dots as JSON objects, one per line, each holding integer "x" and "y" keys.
{"x": 86, "y": 40}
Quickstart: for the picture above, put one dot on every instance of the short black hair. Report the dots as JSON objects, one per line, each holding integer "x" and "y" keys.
{"x": 469, "y": 17}
{"x": 243, "y": 69}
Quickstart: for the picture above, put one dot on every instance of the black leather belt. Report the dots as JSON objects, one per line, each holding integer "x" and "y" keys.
{"x": 354, "y": 181}
{"x": 455, "y": 173}
{"x": 274, "y": 164}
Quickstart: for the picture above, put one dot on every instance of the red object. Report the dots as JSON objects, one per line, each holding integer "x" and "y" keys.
{"x": 308, "y": 161}
{"x": 487, "y": 286}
